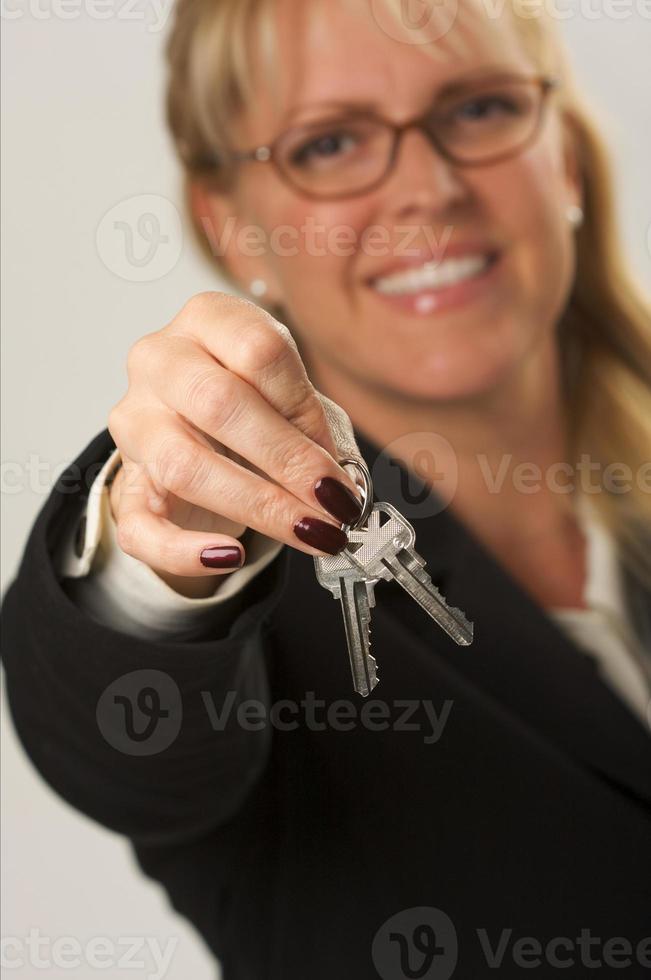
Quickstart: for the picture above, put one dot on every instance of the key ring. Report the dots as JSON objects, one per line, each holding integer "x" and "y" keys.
{"x": 367, "y": 490}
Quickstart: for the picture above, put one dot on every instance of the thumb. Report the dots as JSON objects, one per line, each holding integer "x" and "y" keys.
{"x": 342, "y": 432}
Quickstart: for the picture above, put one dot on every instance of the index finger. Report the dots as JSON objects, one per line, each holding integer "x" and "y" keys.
{"x": 256, "y": 347}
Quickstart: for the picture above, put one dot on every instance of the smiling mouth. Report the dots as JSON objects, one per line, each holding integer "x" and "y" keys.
{"x": 434, "y": 275}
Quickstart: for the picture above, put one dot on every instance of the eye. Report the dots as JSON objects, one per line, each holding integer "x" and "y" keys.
{"x": 325, "y": 146}
{"x": 487, "y": 107}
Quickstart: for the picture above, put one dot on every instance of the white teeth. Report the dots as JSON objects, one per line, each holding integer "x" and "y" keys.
{"x": 432, "y": 275}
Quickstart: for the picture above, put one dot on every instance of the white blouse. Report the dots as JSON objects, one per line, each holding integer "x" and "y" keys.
{"x": 126, "y": 594}
{"x": 604, "y": 629}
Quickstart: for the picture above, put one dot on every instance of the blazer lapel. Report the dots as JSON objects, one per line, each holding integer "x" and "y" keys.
{"x": 639, "y": 604}
{"x": 519, "y": 655}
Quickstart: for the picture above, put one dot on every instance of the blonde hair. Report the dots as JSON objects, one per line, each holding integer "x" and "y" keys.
{"x": 604, "y": 333}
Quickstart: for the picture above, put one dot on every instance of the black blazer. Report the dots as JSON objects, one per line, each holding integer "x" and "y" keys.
{"x": 349, "y": 846}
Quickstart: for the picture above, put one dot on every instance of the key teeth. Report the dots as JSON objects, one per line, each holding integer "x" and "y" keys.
{"x": 461, "y": 614}
{"x": 471, "y": 628}
{"x": 372, "y": 679}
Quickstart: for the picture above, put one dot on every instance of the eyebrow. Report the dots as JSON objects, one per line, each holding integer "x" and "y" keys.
{"x": 448, "y": 88}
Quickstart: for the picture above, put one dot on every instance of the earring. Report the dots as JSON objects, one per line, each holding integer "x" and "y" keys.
{"x": 258, "y": 288}
{"x": 575, "y": 215}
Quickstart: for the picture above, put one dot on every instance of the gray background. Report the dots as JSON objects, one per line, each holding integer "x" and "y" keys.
{"x": 83, "y": 132}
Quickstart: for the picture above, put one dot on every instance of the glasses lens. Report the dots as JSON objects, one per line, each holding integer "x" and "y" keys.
{"x": 336, "y": 157}
{"x": 489, "y": 121}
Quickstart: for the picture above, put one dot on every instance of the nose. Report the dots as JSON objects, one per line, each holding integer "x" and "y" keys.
{"x": 422, "y": 178}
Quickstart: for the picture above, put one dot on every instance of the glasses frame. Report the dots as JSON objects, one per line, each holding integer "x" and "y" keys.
{"x": 268, "y": 153}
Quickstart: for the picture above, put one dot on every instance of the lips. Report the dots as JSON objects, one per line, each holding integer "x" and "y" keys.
{"x": 425, "y": 272}
{"x": 433, "y": 275}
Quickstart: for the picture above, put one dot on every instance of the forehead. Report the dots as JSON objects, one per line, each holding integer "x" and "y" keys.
{"x": 359, "y": 51}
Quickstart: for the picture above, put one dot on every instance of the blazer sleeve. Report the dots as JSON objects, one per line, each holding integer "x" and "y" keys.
{"x": 143, "y": 736}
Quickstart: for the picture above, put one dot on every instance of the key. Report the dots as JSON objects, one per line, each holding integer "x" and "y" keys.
{"x": 356, "y": 592}
{"x": 386, "y": 550}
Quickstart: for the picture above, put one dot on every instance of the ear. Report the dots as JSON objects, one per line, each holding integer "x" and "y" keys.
{"x": 242, "y": 247}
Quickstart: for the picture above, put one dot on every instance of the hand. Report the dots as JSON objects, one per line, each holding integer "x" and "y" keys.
{"x": 221, "y": 430}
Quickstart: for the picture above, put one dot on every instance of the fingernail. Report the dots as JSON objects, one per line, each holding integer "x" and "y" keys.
{"x": 228, "y": 557}
{"x": 338, "y": 500}
{"x": 321, "y": 535}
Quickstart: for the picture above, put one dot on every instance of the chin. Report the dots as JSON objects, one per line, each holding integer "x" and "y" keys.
{"x": 467, "y": 366}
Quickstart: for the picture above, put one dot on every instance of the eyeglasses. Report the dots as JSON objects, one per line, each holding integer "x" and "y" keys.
{"x": 345, "y": 155}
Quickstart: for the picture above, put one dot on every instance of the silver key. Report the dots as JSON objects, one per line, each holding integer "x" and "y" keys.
{"x": 386, "y": 550}
{"x": 355, "y": 590}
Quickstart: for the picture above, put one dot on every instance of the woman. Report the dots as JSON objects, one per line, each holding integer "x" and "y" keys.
{"x": 426, "y": 206}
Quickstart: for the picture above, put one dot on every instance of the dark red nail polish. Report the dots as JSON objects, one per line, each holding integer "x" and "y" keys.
{"x": 221, "y": 557}
{"x": 338, "y": 500}
{"x": 321, "y": 535}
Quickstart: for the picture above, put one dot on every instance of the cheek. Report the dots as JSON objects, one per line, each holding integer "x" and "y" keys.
{"x": 528, "y": 200}
{"x": 322, "y": 238}
{"x": 312, "y": 251}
